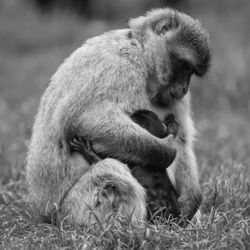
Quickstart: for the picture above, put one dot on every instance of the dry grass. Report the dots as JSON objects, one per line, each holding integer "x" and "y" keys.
{"x": 33, "y": 46}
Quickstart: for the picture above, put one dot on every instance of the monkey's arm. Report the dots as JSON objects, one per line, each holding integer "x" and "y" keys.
{"x": 187, "y": 181}
{"x": 185, "y": 167}
{"x": 124, "y": 138}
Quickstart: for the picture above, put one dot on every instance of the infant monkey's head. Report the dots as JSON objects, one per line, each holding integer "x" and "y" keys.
{"x": 150, "y": 121}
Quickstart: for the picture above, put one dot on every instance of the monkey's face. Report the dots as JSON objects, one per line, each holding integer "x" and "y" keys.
{"x": 177, "y": 83}
{"x": 186, "y": 52}
{"x": 176, "y": 46}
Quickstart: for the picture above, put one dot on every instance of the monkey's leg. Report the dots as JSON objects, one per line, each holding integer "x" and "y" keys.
{"x": 124, "y": 138}
{"x": 107, "y": 188}
{"x": 170, "y": 193}
{"x": 163, "y": 197}
{"x": 161, "y": 194}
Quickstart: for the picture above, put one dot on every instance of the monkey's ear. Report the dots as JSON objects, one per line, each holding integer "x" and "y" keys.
{"x": 165, "y": 25}
{"x": 162, "y": 27}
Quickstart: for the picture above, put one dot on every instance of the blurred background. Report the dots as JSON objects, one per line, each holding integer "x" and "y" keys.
{"x": 37, "y": 35}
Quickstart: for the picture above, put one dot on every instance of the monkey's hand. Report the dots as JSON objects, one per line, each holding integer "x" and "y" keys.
{"x": 84, "y": 147}
{"x": 162, "y": 163}
{"x": 172, "y": 127}
{"x": 189, "y": 202}
{"x": 78, "y": 144}
{"x": 170, "y": 142}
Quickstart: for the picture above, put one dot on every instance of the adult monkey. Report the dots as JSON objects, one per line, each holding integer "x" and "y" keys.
{"x": 92, "y": 95}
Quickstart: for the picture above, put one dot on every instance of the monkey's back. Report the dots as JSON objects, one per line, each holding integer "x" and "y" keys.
{"x": 102, "y": 70}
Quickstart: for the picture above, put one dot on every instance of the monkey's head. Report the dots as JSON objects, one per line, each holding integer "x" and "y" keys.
{"x": 176, "y": 47}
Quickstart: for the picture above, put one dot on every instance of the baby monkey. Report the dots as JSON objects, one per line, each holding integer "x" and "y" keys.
{"x": 161, "y": 195}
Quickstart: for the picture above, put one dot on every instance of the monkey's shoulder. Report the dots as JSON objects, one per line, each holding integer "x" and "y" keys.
{"x": 114, "y": 39}
{"x": 115, "y": 47}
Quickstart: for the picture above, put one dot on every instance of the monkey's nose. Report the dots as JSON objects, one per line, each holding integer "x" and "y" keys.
{"x": 185, "y": 89}
{"x": 172, "y": 93}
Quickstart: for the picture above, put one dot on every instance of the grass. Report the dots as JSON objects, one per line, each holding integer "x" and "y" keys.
{"x": 33, "y": 46}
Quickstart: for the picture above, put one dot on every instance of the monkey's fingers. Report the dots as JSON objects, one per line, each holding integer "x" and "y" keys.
{"x": 169, "y": 118}
{"x": 82, "y": 146}
{"x": 81, "y": 141}
{"x": 75, "y": 146}
{"x": 172, "y": 128}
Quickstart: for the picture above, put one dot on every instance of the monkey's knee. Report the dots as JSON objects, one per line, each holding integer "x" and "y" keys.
{"x": 107, "y": 188}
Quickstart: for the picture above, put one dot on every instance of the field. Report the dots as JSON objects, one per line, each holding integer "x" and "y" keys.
{"x": 32, "y": 46}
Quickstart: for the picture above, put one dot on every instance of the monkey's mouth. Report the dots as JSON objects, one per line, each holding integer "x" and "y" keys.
{"x": 172, "y": 94}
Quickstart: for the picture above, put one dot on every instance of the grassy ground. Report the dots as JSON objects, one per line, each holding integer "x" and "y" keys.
{"x": 33, "y": 46}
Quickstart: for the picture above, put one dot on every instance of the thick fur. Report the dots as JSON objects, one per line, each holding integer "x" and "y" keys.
{"x": 107, "y": 188}
{"x": 94, "y": 92}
